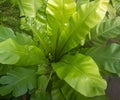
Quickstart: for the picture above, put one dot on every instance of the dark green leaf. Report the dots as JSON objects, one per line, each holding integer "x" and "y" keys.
{"x": 116, "y": 4}
{"x": 56, "y": 92}
{"x": 40, "y": 93}
{"x": 18, "y": 81}
{"x": 106, "y": 57}
{"x": 6, "y": 33}
{"x": 106, "y": 30}
{"x": 4, "y": 69}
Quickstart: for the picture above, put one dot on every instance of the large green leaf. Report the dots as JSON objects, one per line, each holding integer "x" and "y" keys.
{"x": 58, "y": 14}
{"x": 62, "y": 91}
{"x": 13, "y": 53}
{"x": 106, "y": 57}
{"x": 106, "y": 30}
{"x": 18, "y": 81}
{"x": 81, "y": 73}
{"x": 88, "y": 15}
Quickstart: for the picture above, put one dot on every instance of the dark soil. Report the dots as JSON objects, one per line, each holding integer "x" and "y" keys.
{"x": 113, "y": 90}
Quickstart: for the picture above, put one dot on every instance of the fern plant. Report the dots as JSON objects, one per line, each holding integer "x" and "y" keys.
{"x": 51, "y": 62}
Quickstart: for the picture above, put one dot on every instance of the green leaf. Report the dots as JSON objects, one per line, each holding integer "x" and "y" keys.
{"x": 42, "y": 83}
{"x": 111, "y": 12}
{"x": 58, "y": 14}
{"x": 28, "y": 7}
{"x": 24, "y": 39}
{"x": 39, "y": 96}
{"x": 42, "y": 69}
{"x": 57, "y": 95}
{"x": 106, "y": 57}
{"x": 116, "y": 5}
{"x": 41, "y": 15}
{"x": 18, "y": 81}
{"x": 61, "y": 10}
{"x": 6, "y": 33}
{"x": 4, "y": 69}
{"x": 40, "y": 35}
{"x": 35, "y": 20}
{"x": 106, "y": 30}
{"x": 71, "y": 94}
{"x": 88, "y": 15}
{"x": 32, "y": 9}
{"x": 13, "y": 53}
{"x": 64, "y": 92}
{"x": 21, "y": 38}
{"x": 40, "y": 93}
{"x": 80, "y": 2}
{"x": 81, "y": 73}
{"x": 13, "y": 2}
{"x": 56, "y": 89}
